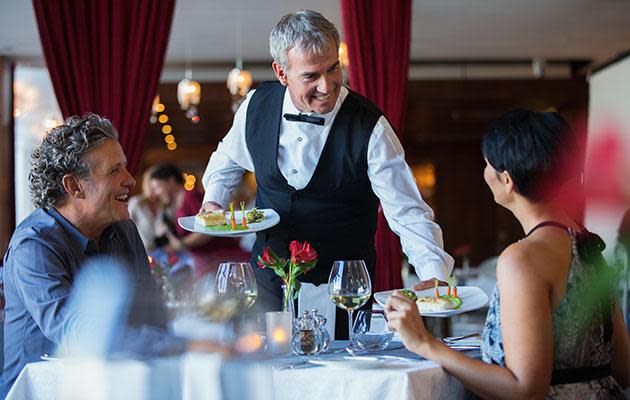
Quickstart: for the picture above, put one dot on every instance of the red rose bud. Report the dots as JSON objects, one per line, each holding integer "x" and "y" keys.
{"x": 260, "y": 264}
{"x": 268, "y": 257}
{"x": 295, "y": 248}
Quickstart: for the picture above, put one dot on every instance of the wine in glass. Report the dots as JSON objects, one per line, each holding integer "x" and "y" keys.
{"x": 235, "y": 280}
{"x": 349, "y": 287}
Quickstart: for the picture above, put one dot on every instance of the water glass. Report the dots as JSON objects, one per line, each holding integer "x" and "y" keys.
{"x": 370, "y": 331}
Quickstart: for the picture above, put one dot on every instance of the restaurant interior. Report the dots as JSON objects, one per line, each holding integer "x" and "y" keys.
{"x": 463, "y": 63}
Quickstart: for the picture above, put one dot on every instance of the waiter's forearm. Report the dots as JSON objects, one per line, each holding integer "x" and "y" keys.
{"x": 220, "y": 179}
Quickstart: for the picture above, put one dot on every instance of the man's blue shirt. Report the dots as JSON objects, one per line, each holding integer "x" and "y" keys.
{"x": 42, "y": 260}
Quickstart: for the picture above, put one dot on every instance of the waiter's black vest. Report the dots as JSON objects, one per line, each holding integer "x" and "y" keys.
{"x": 337, "y": 210}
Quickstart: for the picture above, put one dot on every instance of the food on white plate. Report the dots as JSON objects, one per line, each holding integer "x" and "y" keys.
{"x": 442, "y": 303}
{"x": 212, "y": 218}
{"x": 254, "y": 215}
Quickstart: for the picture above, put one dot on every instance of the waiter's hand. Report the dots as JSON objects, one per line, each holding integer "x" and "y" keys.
{"x": 209, "y": 206}
{"x": 429, "y": 283}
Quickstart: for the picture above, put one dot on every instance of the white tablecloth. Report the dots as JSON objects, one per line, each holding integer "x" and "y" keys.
{"x": 201, "y": 376}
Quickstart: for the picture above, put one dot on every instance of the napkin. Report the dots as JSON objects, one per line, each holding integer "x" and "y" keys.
{"x": 312, "y": 296}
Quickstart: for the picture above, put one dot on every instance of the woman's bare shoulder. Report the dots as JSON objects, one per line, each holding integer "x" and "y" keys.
{"x": 535, "y": 257}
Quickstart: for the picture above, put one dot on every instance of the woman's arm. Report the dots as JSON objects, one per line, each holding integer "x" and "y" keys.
{"x": 526, "y": 328}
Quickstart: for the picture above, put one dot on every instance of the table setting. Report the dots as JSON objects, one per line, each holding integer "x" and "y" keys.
{"x": 277, "y": 346}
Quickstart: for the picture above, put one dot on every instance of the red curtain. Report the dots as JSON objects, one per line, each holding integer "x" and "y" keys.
{"x": 377, "y": 33}
{"x": 105, "y": 56}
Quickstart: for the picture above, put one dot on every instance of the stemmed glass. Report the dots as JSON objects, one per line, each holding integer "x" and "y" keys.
{"x": 235, "y": 280}
{"x": 349, "y": 287}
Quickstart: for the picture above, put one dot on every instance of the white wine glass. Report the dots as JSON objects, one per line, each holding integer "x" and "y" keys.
{"x": 349, "y": 287}
{"x": 236, "y": 280}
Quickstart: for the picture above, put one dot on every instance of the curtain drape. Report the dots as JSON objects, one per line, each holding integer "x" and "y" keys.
{"x": 377, "y": 33}
{"x": 106, "y": 56}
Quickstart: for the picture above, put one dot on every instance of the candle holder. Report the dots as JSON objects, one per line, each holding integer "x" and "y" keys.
{"x": 279, "y": 330}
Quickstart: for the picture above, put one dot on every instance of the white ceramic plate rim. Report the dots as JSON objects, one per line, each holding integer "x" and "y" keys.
{"x": 473, "y": 298}
{"x": 271, "y": 219}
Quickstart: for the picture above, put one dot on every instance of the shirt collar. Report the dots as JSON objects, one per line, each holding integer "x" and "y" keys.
{"x": 290, "y": 108}
{"x": 86, "y": 244}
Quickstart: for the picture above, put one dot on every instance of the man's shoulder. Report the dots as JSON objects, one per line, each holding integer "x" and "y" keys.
{"x": 266, "y": 90}
{"x": 38, "y": 225}
{"x": 361, "y": 102}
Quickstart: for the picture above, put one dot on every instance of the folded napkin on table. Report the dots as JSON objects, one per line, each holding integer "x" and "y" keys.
{"x": 312, "y": 296}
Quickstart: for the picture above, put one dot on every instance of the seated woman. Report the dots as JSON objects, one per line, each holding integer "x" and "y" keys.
{"x": 553, "y": 329}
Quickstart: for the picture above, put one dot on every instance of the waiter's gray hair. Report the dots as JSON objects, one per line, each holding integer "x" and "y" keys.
{"x": 62, "y": 152}
{"x": 305, "y": 30}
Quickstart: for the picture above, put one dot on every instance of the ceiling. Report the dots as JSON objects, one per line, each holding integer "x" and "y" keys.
{"x": 208, "y": 30}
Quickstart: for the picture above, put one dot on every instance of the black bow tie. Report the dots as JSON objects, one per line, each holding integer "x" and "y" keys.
{"x": 304, "y": 118}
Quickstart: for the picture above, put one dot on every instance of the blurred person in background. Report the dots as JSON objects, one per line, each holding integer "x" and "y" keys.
{"x": 554, "y": 328}
{"x": 146, "y": 211}
{"x": 80, "y": 185}
{"x": 207, "y": 252}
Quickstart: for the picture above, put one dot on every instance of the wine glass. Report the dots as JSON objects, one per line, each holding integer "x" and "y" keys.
{"x": 370, "y": 331}
{"x": 235, "y": 280}
{"x": 349, "y": 287}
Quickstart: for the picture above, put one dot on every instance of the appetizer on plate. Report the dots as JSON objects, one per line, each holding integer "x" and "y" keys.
{"x": 212, "y": 218}
{"x": 255, "y": 215}
{"x": 217, "y": 220}
{"x": 438, "y": 303}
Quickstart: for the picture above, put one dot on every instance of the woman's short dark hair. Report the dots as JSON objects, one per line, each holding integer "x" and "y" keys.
{"x": 164, "y": 172}
{"x": 537, "y": 149}
{"x": 62, "y": 152}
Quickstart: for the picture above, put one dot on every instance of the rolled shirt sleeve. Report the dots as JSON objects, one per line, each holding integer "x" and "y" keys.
{"x": 405, "y": 210}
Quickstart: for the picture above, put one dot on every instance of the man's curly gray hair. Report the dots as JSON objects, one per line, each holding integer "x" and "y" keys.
{"x": 306, "y": 30}
{"x": 62, "y": 152}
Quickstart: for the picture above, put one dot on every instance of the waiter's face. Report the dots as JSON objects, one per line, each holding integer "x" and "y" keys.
{"x": 314, "y": 80}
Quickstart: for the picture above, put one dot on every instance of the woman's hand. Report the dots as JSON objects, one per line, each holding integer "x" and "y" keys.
{"x": 403, "y": 317}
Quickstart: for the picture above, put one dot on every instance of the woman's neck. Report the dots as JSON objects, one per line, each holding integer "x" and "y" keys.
{"x": 531, "y": 214}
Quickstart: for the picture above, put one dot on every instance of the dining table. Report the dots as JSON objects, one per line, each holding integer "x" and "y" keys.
{"x": 394, "y": 373}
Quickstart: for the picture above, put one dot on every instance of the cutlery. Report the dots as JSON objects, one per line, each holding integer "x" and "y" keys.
{"x": 297, "y": 365}
{"x": 456, "y": 338}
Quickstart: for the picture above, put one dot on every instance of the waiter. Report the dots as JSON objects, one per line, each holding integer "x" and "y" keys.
{"x": 323, "y": 157}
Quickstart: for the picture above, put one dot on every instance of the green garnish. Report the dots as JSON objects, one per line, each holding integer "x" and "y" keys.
{"x": 227, "y": 228}
{"x": 255, "y": 215}
{"x": 455, "y": 300}
{"x": 410, "y": 294}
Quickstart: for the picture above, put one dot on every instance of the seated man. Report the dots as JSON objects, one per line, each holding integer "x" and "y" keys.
{"x": 80, "y": 184}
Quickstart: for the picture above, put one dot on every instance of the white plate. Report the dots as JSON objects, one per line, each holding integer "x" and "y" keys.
{"x": 271, "y": 219}
{"x": 359, "y": 362}
{"x": 473, "y": 298}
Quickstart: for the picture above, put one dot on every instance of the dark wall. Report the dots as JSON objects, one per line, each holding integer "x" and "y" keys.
{"x": 443, "y": 126}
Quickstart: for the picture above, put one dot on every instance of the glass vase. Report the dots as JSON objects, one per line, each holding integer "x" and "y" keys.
{"x": 287, "y": 299}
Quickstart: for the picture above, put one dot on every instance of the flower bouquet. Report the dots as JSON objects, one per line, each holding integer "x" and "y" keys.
{"x": 303, "y": 259}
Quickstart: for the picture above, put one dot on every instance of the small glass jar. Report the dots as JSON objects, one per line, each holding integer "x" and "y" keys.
{"x": 307, "y": 337}
{"x": 320, "y": 320}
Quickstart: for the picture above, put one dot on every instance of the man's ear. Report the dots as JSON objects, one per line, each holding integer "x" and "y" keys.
{"x": 72, "y": 186}
{"x": 280, "y": 72}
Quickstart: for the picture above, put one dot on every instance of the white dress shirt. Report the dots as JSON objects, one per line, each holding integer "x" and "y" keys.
{"x": 300, "y": 146}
